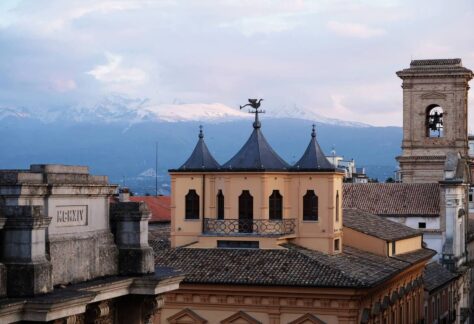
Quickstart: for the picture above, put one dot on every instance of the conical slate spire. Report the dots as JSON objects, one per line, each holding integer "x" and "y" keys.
{"x": 256, "y": 154}
{"x": 313, "y": 158}
{"x": 201, "y": 158}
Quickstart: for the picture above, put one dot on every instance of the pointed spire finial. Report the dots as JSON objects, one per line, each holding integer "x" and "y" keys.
{"x": 201, "y": 135}
{"x": 313, "y": 133}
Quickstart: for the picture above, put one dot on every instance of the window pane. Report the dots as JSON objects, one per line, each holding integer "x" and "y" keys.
{"x": 192, "y": 205}
{"x": 276, "y": 203}
{"x": 310, "y": 206}
{"x": 220, "y": 205}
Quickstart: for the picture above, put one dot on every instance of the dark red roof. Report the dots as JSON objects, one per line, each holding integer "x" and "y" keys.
{"x": 160, "y": 207}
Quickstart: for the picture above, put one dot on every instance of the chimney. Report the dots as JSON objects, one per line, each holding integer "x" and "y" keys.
{"x": 124, "y": 194}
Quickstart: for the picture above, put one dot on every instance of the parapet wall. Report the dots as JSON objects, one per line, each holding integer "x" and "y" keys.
{"x": 79, "y": 243}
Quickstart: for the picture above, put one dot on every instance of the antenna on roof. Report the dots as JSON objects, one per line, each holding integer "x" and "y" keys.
{"x": 156, "y": 169}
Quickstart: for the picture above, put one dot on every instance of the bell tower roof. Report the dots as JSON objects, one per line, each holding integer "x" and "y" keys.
{"x": 201, "y": 158}
{"x": 313, "y": 158}
{"x": 436, "y": 68}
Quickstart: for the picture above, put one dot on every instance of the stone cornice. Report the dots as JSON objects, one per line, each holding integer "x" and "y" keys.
{"x": 74, "y": 299}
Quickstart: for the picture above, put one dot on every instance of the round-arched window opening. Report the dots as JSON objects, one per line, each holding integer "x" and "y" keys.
{"x": 434, "y": 121}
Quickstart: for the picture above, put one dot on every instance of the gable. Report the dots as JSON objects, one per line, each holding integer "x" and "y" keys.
{"x": 307, "y": 319}
{"x": 240, "y": 318}
{"x": 186, "y": 316}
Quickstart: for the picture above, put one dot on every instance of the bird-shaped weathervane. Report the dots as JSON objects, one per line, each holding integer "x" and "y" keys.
{"x": 255, "y": 104}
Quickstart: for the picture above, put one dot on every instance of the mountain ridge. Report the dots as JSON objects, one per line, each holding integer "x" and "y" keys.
{"x": 119, "y": 109}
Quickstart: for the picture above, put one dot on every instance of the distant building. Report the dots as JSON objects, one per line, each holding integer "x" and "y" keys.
{"x": 351, "y": 173}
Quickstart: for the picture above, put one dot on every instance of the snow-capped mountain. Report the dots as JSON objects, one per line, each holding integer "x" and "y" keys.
{"x": 116, "y": 108}
{"x": 287, "y": 111}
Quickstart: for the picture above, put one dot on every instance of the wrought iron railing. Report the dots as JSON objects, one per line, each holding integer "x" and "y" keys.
{"x": 244, "y": 226}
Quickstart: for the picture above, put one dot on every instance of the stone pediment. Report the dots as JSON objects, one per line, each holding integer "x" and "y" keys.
{"x": 240, "y": 318}
{"x": 186, "y": 316}
{"x": 433, "y": 95}
{"x": 307, "y": 319}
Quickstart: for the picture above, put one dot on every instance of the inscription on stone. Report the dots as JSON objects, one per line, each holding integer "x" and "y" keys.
{"x": 71, "y": 215}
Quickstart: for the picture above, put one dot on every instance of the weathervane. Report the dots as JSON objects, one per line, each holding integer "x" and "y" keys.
{"x": 255, "y": 104}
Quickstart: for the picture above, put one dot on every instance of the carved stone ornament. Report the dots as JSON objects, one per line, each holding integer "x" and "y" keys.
{"x": 151, "y": 306}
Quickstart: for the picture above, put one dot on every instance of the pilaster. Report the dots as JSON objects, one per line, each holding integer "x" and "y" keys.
{"x": 24, "y": 251}
{"x": 131, "y": 236}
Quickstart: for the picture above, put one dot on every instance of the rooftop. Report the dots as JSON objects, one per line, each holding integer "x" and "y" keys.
{"x": 256, "y": 154}
{"x": 201, "y": 158}
{"x": 436, "y": 67}
{"x": 159, "y": 206}
{"x": 313, "y": 158}
{"x": 376, "y": 226}
{"x": 57, "y": 174}
{"x": 293, "y": 266}
{"x": 436, "y": 276}
{"x": 450, "y": 62}
{"x": 393, "y": 199}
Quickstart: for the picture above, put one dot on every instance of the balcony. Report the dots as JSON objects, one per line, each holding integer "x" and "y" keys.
{"x": 259, "y": 227}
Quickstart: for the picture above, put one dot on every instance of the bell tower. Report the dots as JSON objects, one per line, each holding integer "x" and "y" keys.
{"x": 434, "y": 117}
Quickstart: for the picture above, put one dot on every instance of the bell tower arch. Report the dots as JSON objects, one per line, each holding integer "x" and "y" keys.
{"x": 435, "y": 115}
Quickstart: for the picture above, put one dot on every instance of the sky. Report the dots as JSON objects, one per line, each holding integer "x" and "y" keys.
{"x": 336, "y": 58}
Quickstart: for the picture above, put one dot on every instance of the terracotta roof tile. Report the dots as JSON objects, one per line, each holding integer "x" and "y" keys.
{"x": 376, "y": 226}
{"x": 293, "y": 266}
{"x": 160, "y": 207}
{"x": 393, "y": 199}
{"x": 435, "y": 276}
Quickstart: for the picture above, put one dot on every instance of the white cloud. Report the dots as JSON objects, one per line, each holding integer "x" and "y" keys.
{"x": 113, "y": 72}
{"x": 354, "y": 30}
{"x": 265, "y": 24}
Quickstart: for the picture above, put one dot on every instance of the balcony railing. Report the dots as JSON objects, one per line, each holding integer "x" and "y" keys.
{"x": 246, "y": 227}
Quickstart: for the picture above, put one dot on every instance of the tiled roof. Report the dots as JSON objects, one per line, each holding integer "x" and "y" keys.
{"x": 435, "y": 276}
{"x": 455, "y": 61}
{"x": 313, "y": 158}
{"x": 438, "y": 67}
{"x": 293, "y": 266}
{"x": 201, "y": 158}
{"x": 158, "y": 205}
{"x": 256, "y": 154}
{"x": 393, "y": 199}
{"x": 159, "y": 235}
{"x": 376, "y": 226}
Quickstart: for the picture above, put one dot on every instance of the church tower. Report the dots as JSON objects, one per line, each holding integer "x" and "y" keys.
{"x": 434, "y": 117}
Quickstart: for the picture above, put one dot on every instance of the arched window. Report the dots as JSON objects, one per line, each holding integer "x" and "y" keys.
{"x": 192, "y": 205}
{"x": 220, "y": 205}
{"x": 276, "y": 205}
{"x": 310, "y": 206}
{"x": 434, "y": 121}
{"x": 245, "y": 212}
{"x": 337, "y": 206}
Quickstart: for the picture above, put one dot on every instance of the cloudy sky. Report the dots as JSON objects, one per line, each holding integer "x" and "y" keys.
{"x": 337, "y": 58}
